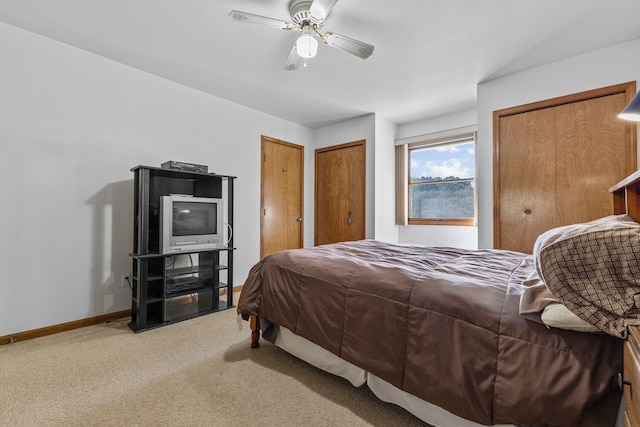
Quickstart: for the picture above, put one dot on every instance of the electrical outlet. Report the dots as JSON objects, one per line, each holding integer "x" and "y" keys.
{"x": 124, "y": 281}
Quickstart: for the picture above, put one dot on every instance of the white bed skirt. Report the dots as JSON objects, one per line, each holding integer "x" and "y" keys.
{"x": 319, "y": 357}
{"x": 329, "y": 362}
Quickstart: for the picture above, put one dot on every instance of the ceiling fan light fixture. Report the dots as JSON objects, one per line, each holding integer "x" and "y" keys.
{"x": 307, "y": 45}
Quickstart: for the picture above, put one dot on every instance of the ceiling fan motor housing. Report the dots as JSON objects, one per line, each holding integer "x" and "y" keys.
{"x": 299, "y": 10}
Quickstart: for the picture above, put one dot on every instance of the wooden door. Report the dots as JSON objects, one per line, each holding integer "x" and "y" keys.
{"x": 282, "y": 175}
{"x": 527, "y": 184}
{"x": 591, "y": 150}
{"x": 555, "y": 160}
{"x": 340, "y": 185}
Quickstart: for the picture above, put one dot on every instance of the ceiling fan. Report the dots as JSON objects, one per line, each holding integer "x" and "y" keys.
{"x": 308, "y": 17}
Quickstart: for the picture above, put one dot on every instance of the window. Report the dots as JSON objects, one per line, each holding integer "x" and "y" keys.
{"x": 441, "y": 182}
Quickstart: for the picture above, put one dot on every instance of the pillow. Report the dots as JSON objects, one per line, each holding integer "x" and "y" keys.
{"x": 535, "y": 295}
{"x": 541, "y": 306}
{"x": 556, "y": 315}
{"x": 593, "y": 268}
{"x": 609, "y": 224}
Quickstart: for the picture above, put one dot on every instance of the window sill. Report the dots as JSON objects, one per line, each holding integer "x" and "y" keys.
{"x": 469, "y": 222}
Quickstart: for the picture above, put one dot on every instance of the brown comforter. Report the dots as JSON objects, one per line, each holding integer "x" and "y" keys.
{"x": 439, "y": 323}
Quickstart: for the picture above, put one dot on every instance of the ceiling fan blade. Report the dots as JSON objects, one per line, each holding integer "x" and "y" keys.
{"x": 262, "y": 20}
{"x": 355, "y": 47}
{"x": 293, "y": 60}
{"x": 320, "y": 8}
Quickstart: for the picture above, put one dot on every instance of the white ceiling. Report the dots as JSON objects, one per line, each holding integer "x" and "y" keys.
{"x": 429, "y": 54}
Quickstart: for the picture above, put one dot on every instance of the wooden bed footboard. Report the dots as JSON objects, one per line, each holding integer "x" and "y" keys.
{"x": 254, "y": 324}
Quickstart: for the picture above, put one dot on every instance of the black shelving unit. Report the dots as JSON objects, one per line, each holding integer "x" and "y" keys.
{"x": 168, "y": 288}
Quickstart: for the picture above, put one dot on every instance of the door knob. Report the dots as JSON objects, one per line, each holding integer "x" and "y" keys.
{"x": 349, "y": 220}
{"x": 299, "y": 219}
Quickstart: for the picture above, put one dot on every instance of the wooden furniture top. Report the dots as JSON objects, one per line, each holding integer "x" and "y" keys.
{"x": 626, "y": 196}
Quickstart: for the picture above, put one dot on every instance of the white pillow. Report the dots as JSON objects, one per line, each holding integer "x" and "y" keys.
{"x": 556, "y": 315}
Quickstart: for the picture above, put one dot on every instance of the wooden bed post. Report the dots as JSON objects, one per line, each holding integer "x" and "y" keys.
{"x": 254, "y": 324}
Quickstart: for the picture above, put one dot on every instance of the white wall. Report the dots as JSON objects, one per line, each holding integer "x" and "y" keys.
{"x": 442, "y": 123}
{"x": 385, "y": 228}
{"x": 614, "y": 65}
{"x": 72, "y": 124}
{"x": 438, "y": 235}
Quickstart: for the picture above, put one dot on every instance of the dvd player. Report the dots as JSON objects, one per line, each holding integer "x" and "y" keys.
{"x": 182, "y": 166}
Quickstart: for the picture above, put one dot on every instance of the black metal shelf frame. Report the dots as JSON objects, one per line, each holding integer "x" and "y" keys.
{"x": 163, "y": 290}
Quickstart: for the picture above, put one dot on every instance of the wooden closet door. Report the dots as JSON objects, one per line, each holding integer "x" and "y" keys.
{"x": 555, "y": 160}
{"x": 527, "y": 178}
{"x": 591, "y": 156}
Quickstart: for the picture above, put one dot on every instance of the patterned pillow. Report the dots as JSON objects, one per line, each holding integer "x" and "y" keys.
{"x": 594, "y": 269}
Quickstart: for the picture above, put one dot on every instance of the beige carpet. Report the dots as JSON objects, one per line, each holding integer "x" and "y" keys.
{"x": 200, "y": 372}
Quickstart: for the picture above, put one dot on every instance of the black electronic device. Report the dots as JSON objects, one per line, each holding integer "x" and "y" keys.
{"x": 183, "y": 166}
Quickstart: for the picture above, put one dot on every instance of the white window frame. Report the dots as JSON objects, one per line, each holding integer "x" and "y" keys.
{"x": 403, "y": 149}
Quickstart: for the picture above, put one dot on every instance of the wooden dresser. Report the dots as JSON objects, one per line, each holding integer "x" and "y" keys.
{"x": 631, "y": 379}
{"x": 626, "y": 199}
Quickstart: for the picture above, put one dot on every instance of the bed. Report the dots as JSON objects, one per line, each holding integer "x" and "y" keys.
{"x": 458, "y": 337}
